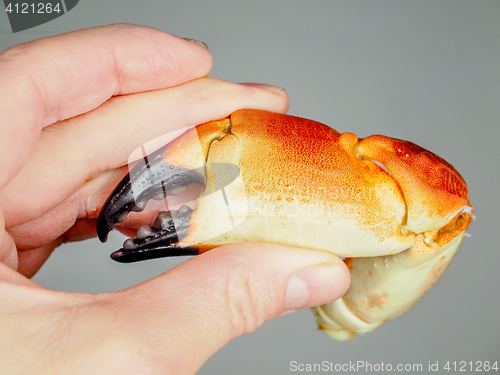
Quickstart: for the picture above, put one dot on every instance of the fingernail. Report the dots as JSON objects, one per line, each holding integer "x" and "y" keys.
{"x": 197, "y": 42}
{"x": 273, "y": 89}
{"x": 270, "y": 88}
{"x": 315, "y": 286}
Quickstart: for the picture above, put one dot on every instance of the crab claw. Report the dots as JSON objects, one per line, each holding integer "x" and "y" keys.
{"x": 166, "y": 172}
{"x": 394, "y": 210}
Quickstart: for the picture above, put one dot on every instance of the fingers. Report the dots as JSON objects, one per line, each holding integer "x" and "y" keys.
{"x": 68, "y": 221}
{"x": 8, "y": 250}
{"x": 70, "y": 152}
{"x": 30, "y": 261}
{"x": 9, "y": 277}
{"x": 209, "y": 300}
{"x": 171, "y": 324}
{"x": 56, "y": 78}
{"x": 36, "y": 240}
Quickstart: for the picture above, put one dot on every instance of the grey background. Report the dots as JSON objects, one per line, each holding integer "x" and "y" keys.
{"x": 426, "y": 71}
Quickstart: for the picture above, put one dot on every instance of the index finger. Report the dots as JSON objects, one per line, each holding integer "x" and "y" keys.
{"x": 56, "y": 78}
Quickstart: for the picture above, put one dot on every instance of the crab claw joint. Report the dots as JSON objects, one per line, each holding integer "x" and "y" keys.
{"x": 394, "y": 210}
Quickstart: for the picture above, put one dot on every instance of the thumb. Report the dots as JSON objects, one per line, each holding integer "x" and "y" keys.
{"x": 179, "y": 319}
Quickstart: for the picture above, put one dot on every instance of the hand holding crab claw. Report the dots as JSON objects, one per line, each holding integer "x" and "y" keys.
{"x": 67, "y": 130}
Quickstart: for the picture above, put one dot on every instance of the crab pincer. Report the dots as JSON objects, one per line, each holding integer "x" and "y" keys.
{"x": 396, "y": 211}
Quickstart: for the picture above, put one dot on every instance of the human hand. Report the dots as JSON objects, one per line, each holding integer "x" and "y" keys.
{"x": 67, "y": 132}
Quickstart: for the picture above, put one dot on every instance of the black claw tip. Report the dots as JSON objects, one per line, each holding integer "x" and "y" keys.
{"x": 145, "y": 181}
{"x": 130, "y": 256}
{"x": 159, "y": 241}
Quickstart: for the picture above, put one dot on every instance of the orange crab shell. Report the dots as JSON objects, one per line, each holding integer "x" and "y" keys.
{"x": 290, "y": 165}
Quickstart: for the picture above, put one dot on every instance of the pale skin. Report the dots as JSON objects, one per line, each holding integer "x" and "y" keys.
{"x": 67, "y": 132}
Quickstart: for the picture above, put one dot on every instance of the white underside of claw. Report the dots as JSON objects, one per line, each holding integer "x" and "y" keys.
{"x": 384, "y": 287}
{"x": 289, "y": 224}
{"x": 344, "y": 317}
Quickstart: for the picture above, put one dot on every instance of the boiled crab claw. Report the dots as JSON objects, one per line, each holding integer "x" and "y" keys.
{"x": 394, "y": 210}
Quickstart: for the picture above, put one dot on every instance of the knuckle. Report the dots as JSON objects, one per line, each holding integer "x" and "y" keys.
{"x": 13, "y": 56}
{"x": 248, "y": 300}
{"x": 8, "y": 251}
